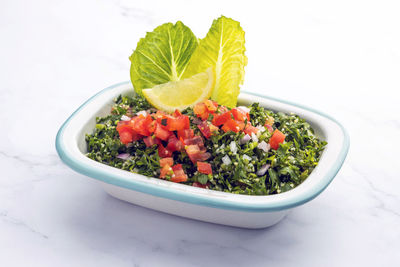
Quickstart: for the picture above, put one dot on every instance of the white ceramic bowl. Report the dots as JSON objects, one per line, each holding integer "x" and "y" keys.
{"x": 192, "y": 202}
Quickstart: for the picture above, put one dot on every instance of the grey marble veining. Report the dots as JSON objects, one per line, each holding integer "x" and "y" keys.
{"x": 342, "y": 58}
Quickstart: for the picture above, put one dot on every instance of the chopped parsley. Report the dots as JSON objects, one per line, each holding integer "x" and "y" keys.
{"x": 235, "y": 164}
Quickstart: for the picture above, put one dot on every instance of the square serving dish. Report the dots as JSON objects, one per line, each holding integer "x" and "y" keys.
{"x": 198, "y": 203}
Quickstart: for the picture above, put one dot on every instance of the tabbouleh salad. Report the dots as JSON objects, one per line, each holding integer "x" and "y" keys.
{"x": 193, "y": 133}
{"x": 244, "y": 150}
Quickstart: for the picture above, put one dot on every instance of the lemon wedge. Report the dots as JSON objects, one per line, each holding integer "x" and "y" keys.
{"x": 181, "y": 94}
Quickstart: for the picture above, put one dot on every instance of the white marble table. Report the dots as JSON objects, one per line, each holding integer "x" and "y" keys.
{"x": 342, "y": 58}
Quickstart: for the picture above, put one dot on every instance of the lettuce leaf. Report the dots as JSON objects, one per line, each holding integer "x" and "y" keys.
{"x": 162, "y": 55}
{"x": 223, "y": 49}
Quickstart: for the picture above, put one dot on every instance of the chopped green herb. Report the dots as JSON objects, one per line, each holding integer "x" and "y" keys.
{"x": 289, "y": 165}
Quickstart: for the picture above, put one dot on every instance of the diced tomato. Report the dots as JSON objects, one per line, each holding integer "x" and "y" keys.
{"x": 126, "y": 133}
{"x": 196, "y": 140}
{"x": 179, "y": 174}
{"x": 197, "y": 184}
{"x": 249, "y": 129}
{"x": 166, "y": 170}
{"x": 185, "y": 134}
{"x": 164, "y": 152}
{"x": 232, "y": 125}
{"x": 211, "y": 105}
{"x": 192, "y": 149}
{"x": 126, "y": 137}
{"x": 178, "y": 123}
{"x": 166, "y": 161}
{"x": 123, "y": 125}
{"x": 159, "y": 115}
{"x": 222, "y": 118}
{"x": 241, "y": 125}
{"x": 151, "y": 140}
{"x": 200, "y": 109}
{"x": 195, "y": 154}
{"x": 174, "y": 144}
{"x": 151, "y": 127}
{"x": 205, "y": 129}
{"x": 140, "y": 124}
{"x": 161, "y": 133}
{"x": 176, "y": 113}
{"x": 239, "y": 114}
{"x": 204, "y": 167}
{"x": 277, "y": 138}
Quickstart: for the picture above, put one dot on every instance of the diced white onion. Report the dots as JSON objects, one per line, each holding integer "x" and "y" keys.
{"x": 233, "y": 147}
{"x": 125, "y": 118}
{"x": 245, "y": 139}
{"x": 124, "y": 156}
{"x": 264, "y": 146}
{"x": 142, "y": 112}
{"x": 245, "y": 109}
{"x": 254, "y": 137}
{"x": 246, "y": 157}
{"x": 226, "y": 160}
{"x": 260, "y": 128}
{"x": 263, "y": 169}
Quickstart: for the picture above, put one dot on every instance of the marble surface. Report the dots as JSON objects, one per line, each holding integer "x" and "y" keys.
{"x": 342, "y": 57}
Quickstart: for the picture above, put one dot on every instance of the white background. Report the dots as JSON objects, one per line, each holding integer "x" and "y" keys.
{"x": 341, "y": 57}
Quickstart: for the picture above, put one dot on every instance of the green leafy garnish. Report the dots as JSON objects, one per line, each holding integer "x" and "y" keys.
{"x": 162, "y": 56}
{"x": 223, "y": 49}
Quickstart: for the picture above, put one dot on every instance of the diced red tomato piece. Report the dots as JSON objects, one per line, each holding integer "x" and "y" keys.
{"x": 166, "y": 161}
{"x": 123, "y": 125}
{"x": 178, "y": 123}
{"x": 232, "y": 125}
{"x": 166, "y": 170}
{"x": 204, "y": 167}
{"x": 196, "y": 140}
{"x": 185, "y": 134}
{"x": 197, "y": 184}
{"x": 222, "y": 118}
{"x": 164, "y": 152}
{"x": 174, "y": 144}
{"x": 277, "y": 138}
{"x": 241, "y": 125}
{"x": 151, "y": 127}
{"x": 126, "y": 133}
{"x": 239, "y": 114}
{"x": 205, "y": 129}
{"x": 179, "y": 174}
{"x": 151, "y": 140}
{"x": 161, "y": 133}
{"x": 200, "y": 109}
{"x": 176, "y": 113}
{"x": 249, "y": 129}
{"x": 211, "y": 105}
{"x": 126, "y": 137}
{"x": 140, "y": 124}
{"x": 195, "y": 154}
{"x": 159, "y": 115}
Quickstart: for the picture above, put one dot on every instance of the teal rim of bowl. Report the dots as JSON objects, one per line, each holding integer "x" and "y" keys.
{"x": 202, "y": 200}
